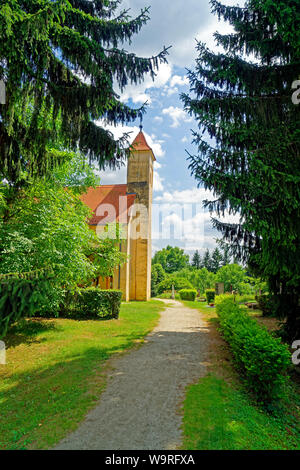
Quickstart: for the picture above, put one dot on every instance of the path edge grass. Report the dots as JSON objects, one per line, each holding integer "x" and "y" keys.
{"x": 35, "y": 430}
{"x": 222, "y": 391}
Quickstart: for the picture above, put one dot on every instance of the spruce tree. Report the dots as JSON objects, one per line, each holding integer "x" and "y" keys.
{"x": 216, "y": 260}
{"x": 207, "y": 261}
{"x": 196, "y": 260}
{"x": 225, "y": 249}
{"x": 62, "y": 62}
{"x": 248, "y": 141}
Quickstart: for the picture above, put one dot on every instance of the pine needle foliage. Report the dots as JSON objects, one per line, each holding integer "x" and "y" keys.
{"x": 248, "y": 141}
{"x": 61, "y": 62}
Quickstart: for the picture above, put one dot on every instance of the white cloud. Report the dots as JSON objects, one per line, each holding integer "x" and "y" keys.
{"x": 118, "y": 176}
{"x": 157, "y": 182}
{"x": 195, "y": 195}
{"x": 170, "y": 23}
{"x": 171, "y": 91}
{"x": 192, "y": 224}
{"x": 140, "y": 93}
{"x": 177, "y": 115}
{"x": 177, "y": 24}
{"x": 178, "y": 80}
{"x": 184, "y": 139}
{"x": 158, "y": 119}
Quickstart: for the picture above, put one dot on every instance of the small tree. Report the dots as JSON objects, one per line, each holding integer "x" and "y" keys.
{"x": 207, "y": 262}
{"x": 196, "y": 260}
{"x": 47, "y": 228}
{"x": 233, "y": 276}
{"x": 171, "y": 259}
{"x": 153, "y": 282}
{"x": 216, "y": 260}
{"x": 157, "y": 276}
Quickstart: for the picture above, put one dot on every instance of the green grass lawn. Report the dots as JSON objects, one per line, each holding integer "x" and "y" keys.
{"x": 220, "y": 414}
{"x": 56, "y": 370}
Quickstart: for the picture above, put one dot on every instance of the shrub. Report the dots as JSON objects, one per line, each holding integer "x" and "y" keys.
{"x": 25, "y": 295}
{"x": 266, "y": 304}
{"x": 262, "y": 358}
{"x": 188, "y": 294}
{"x": 210, "y": 295}
{"x": 178, "y": 283}
{"x": 92, "y": 302}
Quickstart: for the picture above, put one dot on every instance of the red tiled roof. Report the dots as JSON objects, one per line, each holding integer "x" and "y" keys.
{"x": 140, "y": 142}
{"x": 109, "y": 203}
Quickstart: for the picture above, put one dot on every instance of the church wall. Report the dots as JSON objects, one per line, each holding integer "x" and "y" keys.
{"x": 139, "y": 181}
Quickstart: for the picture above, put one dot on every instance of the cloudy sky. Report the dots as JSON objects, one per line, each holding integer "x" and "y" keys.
{"x": 166, "y": 126}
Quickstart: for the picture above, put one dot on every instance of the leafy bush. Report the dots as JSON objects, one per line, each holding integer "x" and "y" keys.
{"x": 188, "y": 294}
{"x": 266, "y": 304}
{"x": 233, "y": 276}
{"x": 261, "y": 357}
{"x": 92, "y": 302}
{"x": 26, "y": 295}
{"x": 210, "y": 295}
{"x": 178, "y": 283}
{"x": 157, "y": 276}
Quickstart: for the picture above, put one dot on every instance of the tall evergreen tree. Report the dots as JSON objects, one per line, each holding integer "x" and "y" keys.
{"x": 62, "y": 60}
{"x": 216, "y": 260}
{"x": 225, "y": 249}
{"x": 207, "y": 261}
{"x": 196, "y": 260}
{"x": 253, "y": 167}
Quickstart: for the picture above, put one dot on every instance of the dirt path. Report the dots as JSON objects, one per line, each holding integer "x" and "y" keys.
{"x": 140, "y": 408}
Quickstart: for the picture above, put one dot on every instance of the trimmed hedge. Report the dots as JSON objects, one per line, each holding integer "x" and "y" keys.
{"x": 92, "y": 302}
{"x": 210, "y": 295}
{"x": 263, "y": 359}
{"x": 188, "y": 294}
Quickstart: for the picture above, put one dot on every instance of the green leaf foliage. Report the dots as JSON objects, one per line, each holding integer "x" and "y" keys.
{"x": 171, "y": 259}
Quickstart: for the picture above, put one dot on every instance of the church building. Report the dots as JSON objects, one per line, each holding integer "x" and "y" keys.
{"x": 130, "y": 205}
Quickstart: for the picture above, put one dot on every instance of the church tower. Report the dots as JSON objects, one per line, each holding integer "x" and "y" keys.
{"x": 140, "y": 183}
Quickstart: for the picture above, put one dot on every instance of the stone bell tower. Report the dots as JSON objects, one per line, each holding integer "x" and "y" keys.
{"x": 140, "y": 183}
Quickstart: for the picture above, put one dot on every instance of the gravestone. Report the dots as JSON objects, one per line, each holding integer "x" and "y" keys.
{"x": 219, "y": 288}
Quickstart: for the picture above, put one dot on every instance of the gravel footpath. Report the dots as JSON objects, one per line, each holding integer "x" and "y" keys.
{"x": 140, "y": 407}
